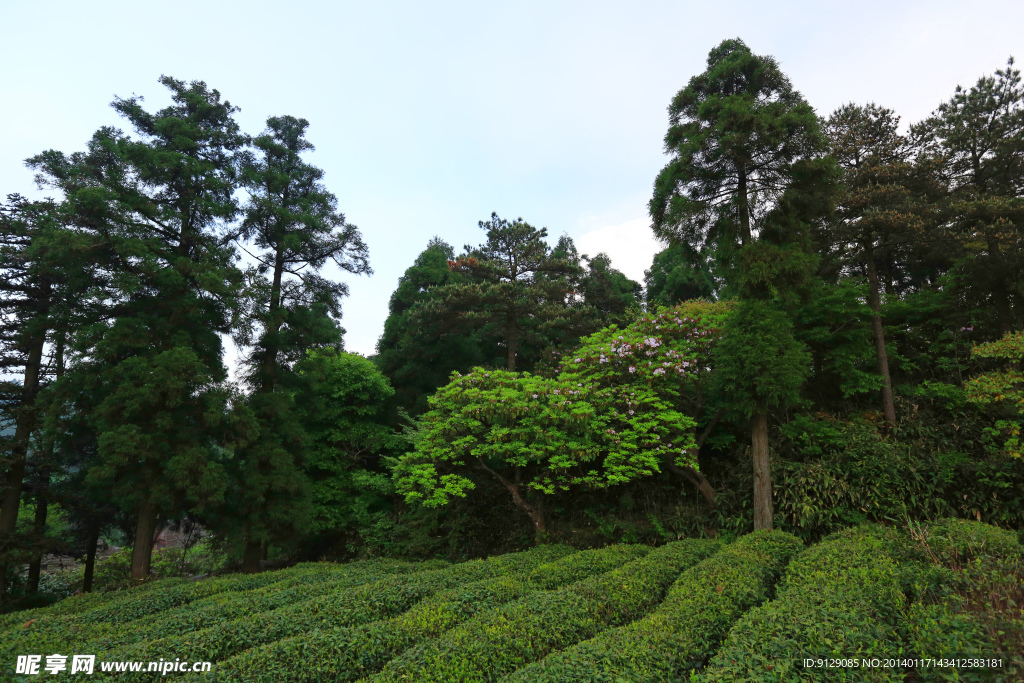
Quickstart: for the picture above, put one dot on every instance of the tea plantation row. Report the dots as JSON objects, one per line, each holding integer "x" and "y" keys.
{"x": 752, "y": 610}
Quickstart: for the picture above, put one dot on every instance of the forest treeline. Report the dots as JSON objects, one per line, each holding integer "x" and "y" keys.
{"x": 832, "y": 334}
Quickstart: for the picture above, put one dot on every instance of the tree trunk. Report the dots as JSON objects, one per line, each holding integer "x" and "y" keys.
{"x": 513, "y": 345}
{"x": 142, "y": 552}
{"x": 874, "y": 301}
{"x": 697, "y": 479}
{"x": 90, "y": 558}
{"x": 763, "y": 516}
{"x": 252, "y": 556}
{"x": 26, "y": 424}
{"x": 535, "y": 512}
{"x": 269, "y": 369}
{"x": 39, "y": 527}
{"x": 744, "y": 206}
{"x": 43, "y": 490}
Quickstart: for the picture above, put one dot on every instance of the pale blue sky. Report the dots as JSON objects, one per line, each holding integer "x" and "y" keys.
{"x": 428, "y": 116}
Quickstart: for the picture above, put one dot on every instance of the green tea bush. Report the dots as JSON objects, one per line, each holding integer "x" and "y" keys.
{"x": 343, "y": 607}
{"x": 939, "y": 632}
{"x": 504, "y": 639}
{"x": 584, "y": 564}
{"x": 839, "y": 599}
{"x": 346, "y": 654}
{"x": 682, "y": 633}
{"x": 973, "y": 606}
{"x": 959, "y": 540}
{"x": 106, "y": 621}
{"x": 302, "y": 584}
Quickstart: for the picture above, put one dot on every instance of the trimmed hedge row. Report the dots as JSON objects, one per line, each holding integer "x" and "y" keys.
{"x": 65, "y": 632}
{"x": 501, "y": 640}
{"x": 840, "y": 599}
{"x": 223, "y": 607}
{"x": 342, "y": 607}
{"x": 346, "y": 654}
{"x": 697, "y": 613}
{"x": 939, "y": 632}
{"x": 957, "y": 540}
{"x": 976, "y": 608}
{"x": 81, "y": 602}
{"x": 584, "y": 564}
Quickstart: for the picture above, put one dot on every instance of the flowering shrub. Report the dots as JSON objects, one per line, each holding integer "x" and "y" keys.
{"x": 619, "y": 407}
{"x": 668, "y": 351}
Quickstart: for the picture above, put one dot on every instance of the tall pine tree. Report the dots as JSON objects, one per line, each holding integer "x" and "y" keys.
{"x": 295, "y": 228}
{"x": 746, "y": 179}
{"x": 158, "y": 201}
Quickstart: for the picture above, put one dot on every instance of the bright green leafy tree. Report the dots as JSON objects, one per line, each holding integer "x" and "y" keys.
{"x": 622, "y": 406}
{"x": 343, "y": 408}
{"x": 1002, "y": 391}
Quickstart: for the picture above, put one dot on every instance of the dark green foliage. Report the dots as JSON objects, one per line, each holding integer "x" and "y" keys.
{"x": 156, "y": 201}
{"x": 612, "y": 296}
{"x": 418, "y": 356}
{"x": 684, "y": 631}
{"x": 979, "y": 135}
{"x": 679, "y": 273}
{"x": 502, "y": 640}
{"x": 295, "y": 229}
{"x": 746, "y": 153}
{"x": 759, "y": 364}
{"x": 515, "y": 290}
{"x": 838, "y": 599}
{"x": 45, "y": 272}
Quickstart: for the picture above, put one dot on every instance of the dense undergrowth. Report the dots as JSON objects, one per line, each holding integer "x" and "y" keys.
{"x": 693, "y": 610}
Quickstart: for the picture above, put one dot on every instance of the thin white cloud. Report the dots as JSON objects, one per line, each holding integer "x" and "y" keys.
{"x": 631, "y": 246}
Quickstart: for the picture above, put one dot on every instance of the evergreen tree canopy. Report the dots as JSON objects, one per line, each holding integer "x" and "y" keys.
{"x": 343, "y": 411}
{"x": 418, "y": 354}
{"x": 740, "y": 138}
{"x": 515, "y": 290}
{"x": 159, "y": 201}
{"x": 679, "y": 273}
{"x": 979, "y": 135}
{"x": 293, "y": 222}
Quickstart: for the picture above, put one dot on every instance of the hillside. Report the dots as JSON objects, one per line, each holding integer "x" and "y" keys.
{"x": 884, "y": 601}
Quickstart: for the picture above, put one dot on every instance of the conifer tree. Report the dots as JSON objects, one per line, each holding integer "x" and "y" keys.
{"x": 887, "y": 204}
{"x": 679, "y": 273}
{"x": 979, "y": 135}
{"x": 747, "y": 179}
{"x": 44, "y": 270}
{"x": 516, "y": 291}
{"x": 740, "y": 137}
{"x": 158, "y": 201}
{"x": 418, "y": 355}
{"x": 295, "y": 227}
